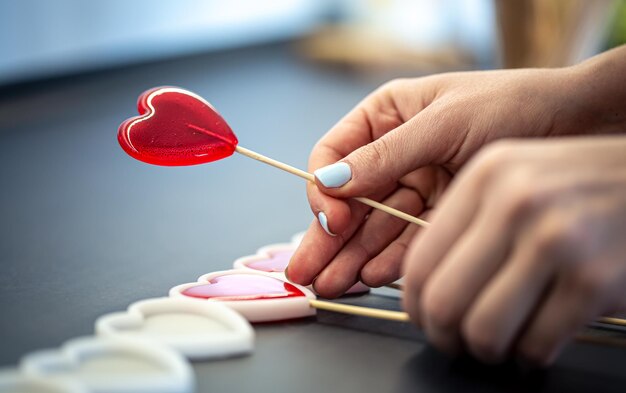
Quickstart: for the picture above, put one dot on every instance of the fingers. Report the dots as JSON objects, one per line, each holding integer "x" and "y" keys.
{"x": 426, "y": 139}
{"x": 563, "y": 313}
{"x": 546, "y": 249}
{"x": 454, "y": 214}
{"x": 500, "y": 312}
{"x": 375, "y": 115}
{"x": 373, "y": 236}
{"x": 386, "y": 267}
{"x": 317, "y": 248}
{"x": 576, "y": 299}
{"x": 497, "y": 244}
{"x": 333, "y": 215}
{"x": 460, "y": 277}
{"x": 448, "y": 266}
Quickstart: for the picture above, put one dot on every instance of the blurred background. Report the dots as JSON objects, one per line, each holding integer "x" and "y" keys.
{"x": 74, "y": 206}
{"x": 43, "y": 39}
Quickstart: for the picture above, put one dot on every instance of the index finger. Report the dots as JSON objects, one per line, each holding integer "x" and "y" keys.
{"x": 356, "y": 129}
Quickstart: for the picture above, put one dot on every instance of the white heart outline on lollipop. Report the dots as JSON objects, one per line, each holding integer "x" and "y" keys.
{"x": 176, "y": 375}
{"x": 236, "y": 337}
{"x": 257, "y": 310}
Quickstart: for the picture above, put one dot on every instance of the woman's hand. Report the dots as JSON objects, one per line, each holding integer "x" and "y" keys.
{"x": 401, "y": 146}
{"x": 525, "y": 248}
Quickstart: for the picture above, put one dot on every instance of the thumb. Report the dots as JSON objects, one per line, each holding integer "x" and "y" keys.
{"x": 385, "y": 160}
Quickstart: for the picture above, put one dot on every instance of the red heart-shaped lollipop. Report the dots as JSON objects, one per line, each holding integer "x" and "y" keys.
{"x": 176, "y": 127}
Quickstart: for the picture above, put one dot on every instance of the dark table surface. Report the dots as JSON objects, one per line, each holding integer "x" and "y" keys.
{"x": 85, "y": 230}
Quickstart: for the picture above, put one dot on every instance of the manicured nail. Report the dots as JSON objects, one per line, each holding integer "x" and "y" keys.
{"x": 334, "y": 175}
{"x": 287, "y": 274}
{"x": 324, "y": 222}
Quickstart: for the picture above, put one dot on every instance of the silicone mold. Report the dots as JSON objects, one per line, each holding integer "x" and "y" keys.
{"x": 196, "y": 329}
{"x": 109, "y": 365}
{"x": 12, "y": 381}
{"x": 258, "y": 296}
{"x": 274, "y": 258}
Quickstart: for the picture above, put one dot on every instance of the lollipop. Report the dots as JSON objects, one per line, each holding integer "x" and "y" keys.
{"x": 178, "y": 127}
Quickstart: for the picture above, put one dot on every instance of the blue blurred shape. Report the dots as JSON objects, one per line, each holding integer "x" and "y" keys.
{"x": 40, "y": 38}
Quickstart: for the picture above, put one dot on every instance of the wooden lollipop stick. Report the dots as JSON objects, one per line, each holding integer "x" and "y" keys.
{"x": 600, "y": 340}
{"x": 604, "y": 320}
{"x": 310, "y": 177}
{"x": 612, "y": 321}
{"x": 400, "y": 316}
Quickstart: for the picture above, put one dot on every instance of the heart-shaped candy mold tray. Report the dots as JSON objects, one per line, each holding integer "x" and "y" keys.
{"x": 195, "y": 328}
{"x": 274, "y": 258}
{"x": 12, "y": 381}
{"x": 258, "y": 296}
{"x": 111, "y": 366}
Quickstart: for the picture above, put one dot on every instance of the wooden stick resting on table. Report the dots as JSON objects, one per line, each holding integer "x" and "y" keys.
{"x": 605, "y": 320}
{"x": 400, "y": 316}
{"x": 397, "y": 316}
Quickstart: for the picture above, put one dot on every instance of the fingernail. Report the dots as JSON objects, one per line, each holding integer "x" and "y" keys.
{"x": 321, "y": 216}
{"x": 313, "y": 285}
{"x": 287, "y": 274}
{"x": 334, "y": 175}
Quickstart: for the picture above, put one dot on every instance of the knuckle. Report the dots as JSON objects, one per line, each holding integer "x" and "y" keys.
{"x": 376, "y": 274}
{"x": 375, "y": 156}
{"x": 369, "y": 279}
{"x": 575, "y": 232}
{"x": 588, "y": 283}
{"x": 499, "y": 150}
{"x": 380, "y": 150}
{"x": 374, "y": 277}
{"x": 436, "y": 309}
{"x": 511, "y": 188}
{"x": 522, "y": 189}
{"x": 515, "y": 193}
{"x": 326, "y": 290}
{"x": 561, "y": 234}
{"x": 393, "y": 84}
{"x": 481, "y": 342}
{"x": 492, "y": 157}
{"x": 534, "y": 352}
{"x": 549, "y": 241}
{"x": 361, "y": 251}
{"x": 373, "y": 281}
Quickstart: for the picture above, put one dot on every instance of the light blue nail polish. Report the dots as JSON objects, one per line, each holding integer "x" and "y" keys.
{"x": 335, "y": 175}
{"x": 324, "y": 222}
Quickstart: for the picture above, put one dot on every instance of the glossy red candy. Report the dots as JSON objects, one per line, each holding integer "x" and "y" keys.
{"x": 176, "y": 127}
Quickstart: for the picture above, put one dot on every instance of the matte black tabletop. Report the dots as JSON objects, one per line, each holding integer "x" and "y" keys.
{"x": 86, "y": 230}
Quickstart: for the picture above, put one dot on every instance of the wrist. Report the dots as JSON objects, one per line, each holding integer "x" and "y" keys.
{"x": 595, "y": 94}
